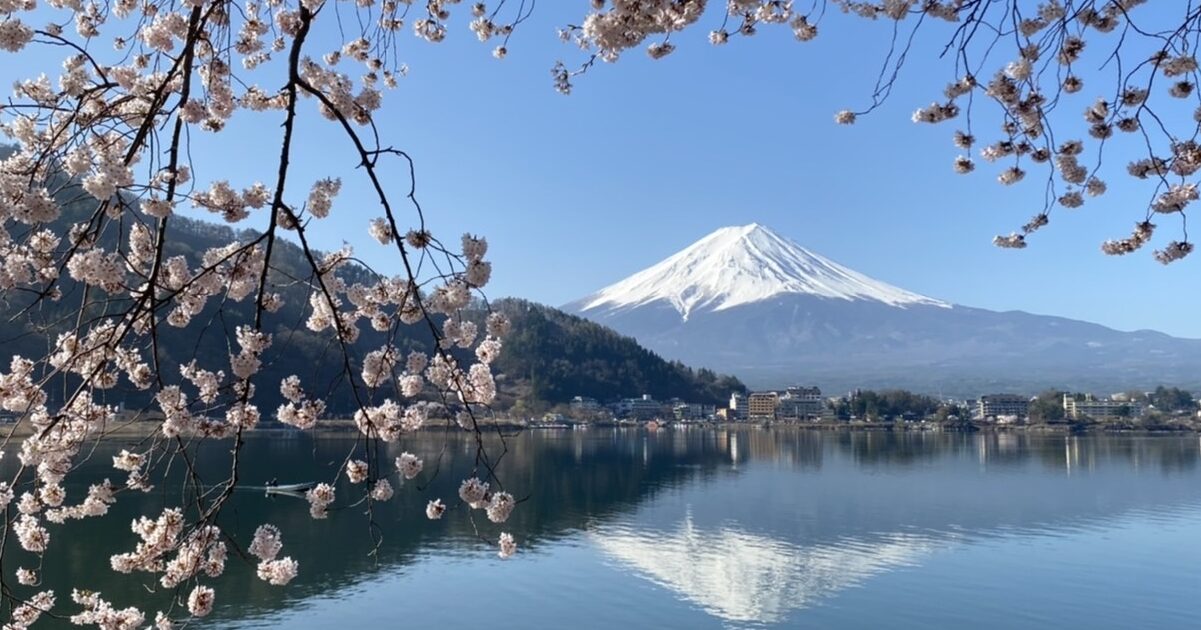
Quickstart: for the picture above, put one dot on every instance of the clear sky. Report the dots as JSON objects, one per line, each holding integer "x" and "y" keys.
{"x": 645, "y": 157}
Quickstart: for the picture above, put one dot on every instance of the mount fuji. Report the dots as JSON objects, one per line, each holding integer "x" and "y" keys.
{"x": 750, "y": 301}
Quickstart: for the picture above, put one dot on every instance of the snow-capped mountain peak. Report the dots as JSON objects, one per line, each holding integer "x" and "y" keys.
{"x": 741, "y": 265}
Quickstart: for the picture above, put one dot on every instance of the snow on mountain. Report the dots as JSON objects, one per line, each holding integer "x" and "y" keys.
{"x": 748, "y": 301}
{"x": 742, "y": 265}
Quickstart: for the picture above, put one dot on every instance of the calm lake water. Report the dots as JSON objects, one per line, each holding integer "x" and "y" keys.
{"x": 704, "y": 528}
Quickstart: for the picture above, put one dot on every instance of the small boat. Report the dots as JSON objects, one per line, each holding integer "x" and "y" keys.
{"x": 291, "y": 488}
{"x": 297, "y": 489}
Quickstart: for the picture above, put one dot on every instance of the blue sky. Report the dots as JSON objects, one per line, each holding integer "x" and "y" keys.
{"x": 645, "y": 157}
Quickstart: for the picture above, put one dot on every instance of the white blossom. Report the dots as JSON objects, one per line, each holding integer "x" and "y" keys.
{"x": 409, "y": 465}
{"x": 500, "y": 507}
{"x": 382, "y": 490}
{"x": 266, "y": 544}
{"x": 508, "y": 546}
{"x": 356, "y": 471}
{"x": 473, "y": 492}
{"x": 200, "y": 601}
{"x": 320, "y": 497}
{"x": 278, "y": 572}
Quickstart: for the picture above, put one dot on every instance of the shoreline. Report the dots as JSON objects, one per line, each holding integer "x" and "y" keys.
{"x": 336, "y": 426}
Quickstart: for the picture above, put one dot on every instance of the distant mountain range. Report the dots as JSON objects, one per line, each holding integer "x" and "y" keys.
{"x": 751, "y": 302}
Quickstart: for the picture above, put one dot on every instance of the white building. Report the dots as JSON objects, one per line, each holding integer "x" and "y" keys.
{"x": 584, "y": 403}
{"x": 739, "y": 410}
{"x": 801, "y": 403}
{"x": 644, "y": 408}
{"x": 1099, "y": 409}
{"x": 1002, "y": 405}
{"x": 693, "y": 411}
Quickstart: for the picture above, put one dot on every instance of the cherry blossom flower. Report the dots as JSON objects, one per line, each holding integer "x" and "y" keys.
{"x": 320, "y": 497}
{"x": 474, "y": 492}
{"x": 508, "y": 546}
{"x": 356, "y": 471}
{"x": 200, "y": 601}
{"x": 500, "y": 507}
{"x": 382, "y": 490}
{"x": 409, "y": 465}
{"x": 278, "y": 572}
{"x": 266, "y": 544}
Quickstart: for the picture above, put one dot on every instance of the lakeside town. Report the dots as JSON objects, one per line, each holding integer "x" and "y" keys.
{"x": 1162, "y": 409}
{"x": 1165, "y": 408}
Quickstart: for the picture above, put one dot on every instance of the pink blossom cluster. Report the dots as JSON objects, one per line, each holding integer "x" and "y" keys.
{"x": 299, "y": 411}
{"x": 166, "y": 549}
{"x": 102, "y": 614}
{"x": 320, "y": 498}
{"x": 266, "y": 546}
{"x": 1032, "y": 79}
{"x": 357, "y": 471}
{"x": 388, "y": 420}
{"x": 409, "y": 465}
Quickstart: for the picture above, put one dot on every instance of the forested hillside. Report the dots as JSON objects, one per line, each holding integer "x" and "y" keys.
{"x": 552, "y": 356}
{"x": 561, "y": 355}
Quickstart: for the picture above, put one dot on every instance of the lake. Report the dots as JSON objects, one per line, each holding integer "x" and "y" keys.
{"x": 710, "y": 528}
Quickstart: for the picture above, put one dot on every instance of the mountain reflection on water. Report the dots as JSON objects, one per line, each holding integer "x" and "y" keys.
{"x": 738, "y": 526}
{"x": 740, "y": 576}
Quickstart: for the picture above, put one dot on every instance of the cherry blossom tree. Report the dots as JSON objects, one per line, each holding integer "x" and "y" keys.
{"x": 1017, "y": 64}
{"x": 89, "y": 199}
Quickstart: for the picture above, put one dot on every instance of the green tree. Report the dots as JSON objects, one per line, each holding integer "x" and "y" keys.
{"x": 559, "y": 356}
{"x": 1172, "y": 399}
{"x": 1047, "y": 407}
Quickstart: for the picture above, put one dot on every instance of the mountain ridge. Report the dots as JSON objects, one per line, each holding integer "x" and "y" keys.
{"x": 740, "y": 265}
{"x": 866, "y": 333}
